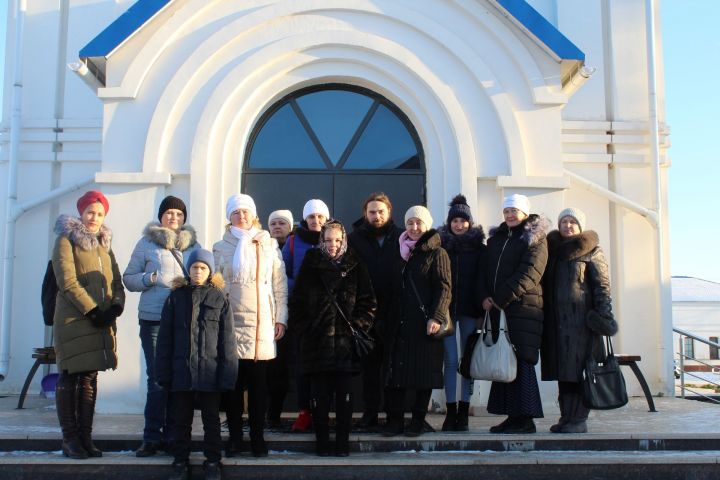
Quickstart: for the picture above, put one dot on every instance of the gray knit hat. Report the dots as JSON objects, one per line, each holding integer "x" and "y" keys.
{"x": 575, "y": 213}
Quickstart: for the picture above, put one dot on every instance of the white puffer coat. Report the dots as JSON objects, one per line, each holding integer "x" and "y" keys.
{"x": 259, "y": 304}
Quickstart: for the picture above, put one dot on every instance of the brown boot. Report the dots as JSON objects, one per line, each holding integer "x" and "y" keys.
{"x": 65, "y": 404}
{"x": 87, "y": 396}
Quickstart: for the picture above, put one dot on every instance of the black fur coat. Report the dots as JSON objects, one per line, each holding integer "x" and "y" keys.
{"x": 578, "y": 307}
{"x": 325, "y": 337}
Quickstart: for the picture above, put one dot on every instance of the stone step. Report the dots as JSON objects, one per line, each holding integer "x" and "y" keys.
{"x": 450, "y": 465}
{"x": 429, "y": 442}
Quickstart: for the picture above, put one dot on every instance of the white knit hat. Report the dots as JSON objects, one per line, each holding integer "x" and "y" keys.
{"x": 521, "y": 202}
{"x": 418, "y": 211}
{"x": 575, "y": 213}
{"x": 282, "y": 214}
{"x": 315, "y": 206}
{"x": 236, "y": 202}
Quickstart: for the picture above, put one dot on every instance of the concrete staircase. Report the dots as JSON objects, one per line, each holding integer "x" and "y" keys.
{"x": 681, "y": 441}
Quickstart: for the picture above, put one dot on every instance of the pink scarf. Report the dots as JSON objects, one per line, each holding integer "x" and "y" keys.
{"x": 406, "y": 245}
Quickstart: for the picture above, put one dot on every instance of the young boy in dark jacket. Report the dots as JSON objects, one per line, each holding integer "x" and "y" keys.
{"x": 197, "y": 359}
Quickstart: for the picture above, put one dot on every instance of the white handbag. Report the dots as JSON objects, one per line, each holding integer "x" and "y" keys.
{"x": 494, "y": 361}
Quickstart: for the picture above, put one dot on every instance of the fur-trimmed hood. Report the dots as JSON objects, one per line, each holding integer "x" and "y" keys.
{"x": 215, "y": 281}
{"x": 73, "y": 229}
{"x": 573, "y": 247}
{"x": 534, "y": 229}
{"x": 167, "y": 238}
{"x": 470, "y": 241}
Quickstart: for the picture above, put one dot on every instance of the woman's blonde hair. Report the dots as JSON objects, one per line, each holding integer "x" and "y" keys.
{"x": 256, "y": 223}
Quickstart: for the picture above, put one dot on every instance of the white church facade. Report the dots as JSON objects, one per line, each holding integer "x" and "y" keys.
{"x": 289, "y": 100}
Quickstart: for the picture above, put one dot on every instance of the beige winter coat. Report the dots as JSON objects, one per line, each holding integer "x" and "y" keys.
{"x": 260, "y": 303}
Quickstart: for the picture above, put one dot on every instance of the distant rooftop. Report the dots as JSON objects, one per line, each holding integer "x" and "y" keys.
{"x": 691, "y": 289}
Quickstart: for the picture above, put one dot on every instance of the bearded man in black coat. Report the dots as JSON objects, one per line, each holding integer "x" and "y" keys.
{"x": 375, "y": 240}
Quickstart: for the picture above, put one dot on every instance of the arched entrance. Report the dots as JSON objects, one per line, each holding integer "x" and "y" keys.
{"x": 338, "y": 143}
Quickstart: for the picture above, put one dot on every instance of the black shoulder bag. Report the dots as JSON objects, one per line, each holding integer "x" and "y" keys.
{"x": 447, "y": 329}
{"x": 362, "y": 342}
{"x": 603, "y": 382}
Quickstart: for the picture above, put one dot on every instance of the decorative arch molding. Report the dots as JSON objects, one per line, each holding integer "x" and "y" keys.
{"x": 257, "y": 16}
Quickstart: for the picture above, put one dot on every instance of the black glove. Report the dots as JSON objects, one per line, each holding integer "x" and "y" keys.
{"x": 102, "y": 318}
{"x": 94, "y": 316}
{"x": 117, "y": 310}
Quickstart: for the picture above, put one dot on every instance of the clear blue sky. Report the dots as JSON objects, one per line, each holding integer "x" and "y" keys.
{"x": 692, "y": 91}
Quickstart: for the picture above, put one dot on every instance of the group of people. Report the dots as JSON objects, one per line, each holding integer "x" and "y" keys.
{"x": 214, "y": 324}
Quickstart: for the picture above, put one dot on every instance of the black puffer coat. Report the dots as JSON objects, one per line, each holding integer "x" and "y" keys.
{"x": 196, "y": 347}
{"x": 414, "y": 359}
{"x": 510, "y": 273}
{"x": 464, "y": 252}
{"x": 578, "y": 307}
{"x": 325, "y": 337}
{"x": 379, "y": 260}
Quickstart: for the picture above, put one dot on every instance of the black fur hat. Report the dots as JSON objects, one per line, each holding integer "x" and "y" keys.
{"x": 459, "y": 208}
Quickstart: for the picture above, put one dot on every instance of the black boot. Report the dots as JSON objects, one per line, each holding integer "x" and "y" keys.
{"x": 395, "y": 424}
{"x": 502, "y": 426}
{"x": 450, "y": 417}
{"x": 521, "y": 425}
{"x": 564, "y": 413}
{"x": 65, "y": 403}
{"x": 343, "y": 423}
{"x": 320, "y": 413}
{"x": 87, "y": 396}
{"x": 233, "y": 447}
{"x": 258, "y": 447}
{"x": 416, "y": 426}
{"x": 213, "y": 470}
{"x": 461, "y": 425}
{"x": 368, "y": 420}
{"x": 181, "y": 471}
{"x": 578, "y": 414}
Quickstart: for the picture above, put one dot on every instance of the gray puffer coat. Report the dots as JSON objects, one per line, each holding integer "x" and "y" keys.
{"x": 578, "y": 309}
{"x": 152, "y": 254}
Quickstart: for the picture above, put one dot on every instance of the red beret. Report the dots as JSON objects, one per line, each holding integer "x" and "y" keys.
{"x": 91, "y": 197}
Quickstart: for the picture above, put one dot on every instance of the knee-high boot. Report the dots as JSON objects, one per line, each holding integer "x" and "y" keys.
{"x": 65, "y": 402}
{"x": 343, "y": 421}
{"x": 320, "y": 411}
{"x": 87, "y": 396}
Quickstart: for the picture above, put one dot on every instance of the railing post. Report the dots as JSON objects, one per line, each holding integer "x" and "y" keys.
{"x": 682, "y": 366}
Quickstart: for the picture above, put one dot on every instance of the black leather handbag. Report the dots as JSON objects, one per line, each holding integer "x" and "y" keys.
{"x": 603, "y": 382}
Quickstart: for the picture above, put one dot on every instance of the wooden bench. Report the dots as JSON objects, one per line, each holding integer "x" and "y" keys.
{"x": 42, "y": 356}
{"x": 631, "y": 361}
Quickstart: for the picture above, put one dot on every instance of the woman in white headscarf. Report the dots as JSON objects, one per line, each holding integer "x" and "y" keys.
{"x": 251, "y": 264}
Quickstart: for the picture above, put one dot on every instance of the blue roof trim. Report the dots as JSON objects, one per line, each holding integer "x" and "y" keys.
{"x": 143, "y": 10}
{"x": 122, "y": 28}
{"x": 545, "y": 31}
